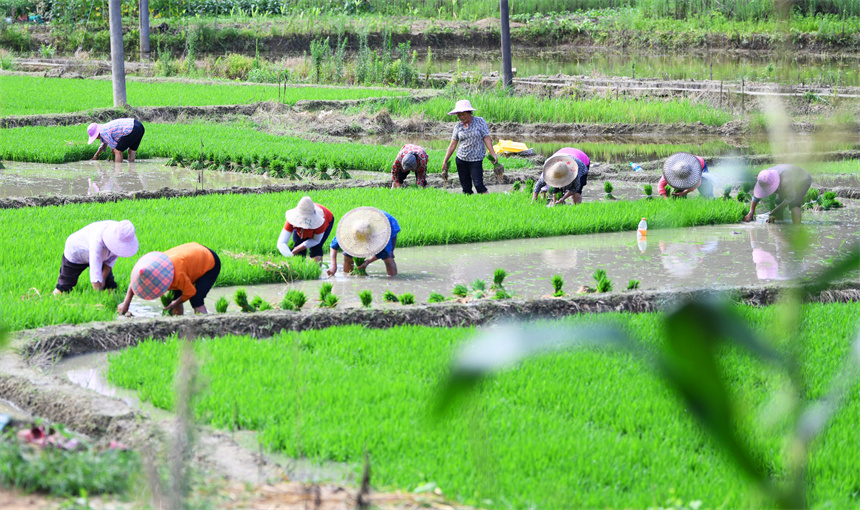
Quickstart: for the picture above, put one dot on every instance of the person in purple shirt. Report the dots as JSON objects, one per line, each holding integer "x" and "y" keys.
{"x": 120, "y": 135}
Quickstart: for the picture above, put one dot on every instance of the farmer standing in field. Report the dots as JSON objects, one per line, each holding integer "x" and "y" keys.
{"x": 368, "y": 233}
{"x": 789, "y": 182}
{"x": 189, "y": 270}
{"x": 471, "y": 139}
{"x": 685, "y": 172}
{"x": 566, "y": 170}
{"x": 119, "y": 135}
{"x": 411, "y": 158}
{"x": 96, "y": 246}
{"x": 309, "y": 225}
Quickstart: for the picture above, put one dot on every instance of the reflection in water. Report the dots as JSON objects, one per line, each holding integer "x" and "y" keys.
{"x": 769, "y": 247}
{"x": 681, "y": 259}
{"x": 87, "y": 371}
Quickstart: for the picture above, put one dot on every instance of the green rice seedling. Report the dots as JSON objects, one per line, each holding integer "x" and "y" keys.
{"x": 604, "y": 285}
{"x": 727, "y": 192}
{"x": 407, "y": 298}
{"x": 221, "y": 305}
{"x": 743, "y": 196}
{"x": 390, "y": 297}
{"x": 460, "y": 290}
{"x": 599, "y": 274}
{"x": 265, "y": 161}
{"x": 278, "y": 168}
{"x": 479, "y": 284}
{"x": 330, "y": 301}
{"x": 557, "y": 284}
{"x": 529, "y": 185}
{"x": 366, "y": 298}
{"x": 669, "y": 191}
{"x": 294, "y": 299}
{"x": 607, "y": 188}
{"x": 517, "y": 186}
{"x": 501, "y": 294}
{"x": 478, "y": 294}
{"x": 257, "y": 302}
{"x": 499, "y": 276}
{"x": 828, "y": 201}
{"x": 241, "y": 299}
{"x": 357, "y": 261}
{"x": 435, "y": 297}
{"x": 633, "y": 285}
{"x": 325, "y": 290}
{"x": 812, "y": 195}
{"x": 264, "y": 305}
{"x": 746, "y": 187}
{"x": 648, "y": 189}
{"x": 166, "y": 299}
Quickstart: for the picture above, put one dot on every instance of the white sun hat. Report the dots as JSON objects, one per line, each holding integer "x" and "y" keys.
{"x": 462, "y": 105}
{"x": 306, "y": 215}
{"x": 363, "y": 232}
{"x": 561, "y": 169}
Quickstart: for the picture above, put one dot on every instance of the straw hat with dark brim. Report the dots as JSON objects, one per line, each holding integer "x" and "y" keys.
{"x": 306, "y": 215}
{"x": 561, "y": 170}
{"x": 363, "y": 232}
{"x": 682, "y": 170}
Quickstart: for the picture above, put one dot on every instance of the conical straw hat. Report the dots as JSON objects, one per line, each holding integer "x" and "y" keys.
{"x": 682, "y": 170}
{"x": 363, "y": 232}
{"x": 306, "y": 215}
{"x": 561, "y": 169}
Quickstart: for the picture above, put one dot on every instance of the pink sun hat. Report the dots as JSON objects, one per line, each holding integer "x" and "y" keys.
{"x": 92, "y": 132}
{"x": 120, "y": 238}
{"x": 766, "y": 184}
{"x": 462, "y": 105}
{"x": 152, "y": 275}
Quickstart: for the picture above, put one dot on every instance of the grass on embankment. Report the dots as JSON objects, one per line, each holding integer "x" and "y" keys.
{"x": 501, "y": 107}
{"x": 235, "y": 142}
{"x": 845, "y": 167}
{"x": 65, "y": 95}
{"x": 579, "y": 429}
{"x": 32, "y": 239}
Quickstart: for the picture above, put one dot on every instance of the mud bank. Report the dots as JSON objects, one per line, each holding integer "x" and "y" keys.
{"x": 56, "y": 342}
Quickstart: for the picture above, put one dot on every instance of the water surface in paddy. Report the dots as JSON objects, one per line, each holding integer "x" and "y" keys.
{"x": 708, "y": 256}
{"x": 92, "y": 177}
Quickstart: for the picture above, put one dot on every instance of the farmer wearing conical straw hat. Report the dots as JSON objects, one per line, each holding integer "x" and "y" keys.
{"x": 96, "y": 246}
{"x": 411, "y": 158}
{"x": 189, "y": 270}
{"x": 119, "y": 135}
{"x": 685, "y": 173}
{"x": 567, "y": 171}
{"x": 789, "y": 182}
{"x": 309, "y": 225}
{"x": 368, "y": 233}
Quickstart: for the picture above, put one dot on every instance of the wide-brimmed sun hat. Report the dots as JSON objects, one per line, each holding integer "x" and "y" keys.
{"x": 409, "y": 162}
{"x": 363, "y": 232}
{"x": 92, "y": 132}
{"x": 766, "y": 184}
{"x": 561, "y": 169}
{"x": 152, "y": 275}
{"x": 306, "y": 214}
{"x": 120, "y": 238}
{"x": 462, "y": 105}
{"x": 682, "y": 170}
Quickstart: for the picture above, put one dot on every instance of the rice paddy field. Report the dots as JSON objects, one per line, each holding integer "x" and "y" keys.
{"x": 427, "y": 217}
{"x": 65, "y": 95}
{"x": 582, "y": 428}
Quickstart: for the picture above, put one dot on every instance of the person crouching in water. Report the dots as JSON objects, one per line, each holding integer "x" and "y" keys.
{"x": 411, "y": 158}
{"x": 309, "y": 225}
{"x": 685, "y": 172}
{"x": 119, "y": 135}
{"x": 189, "y": 270}
{"x": 96, "y": 246}
{"x": 368, "y": 233}
{"x": 789, "y": 182}
{"x": 564, "y": 172}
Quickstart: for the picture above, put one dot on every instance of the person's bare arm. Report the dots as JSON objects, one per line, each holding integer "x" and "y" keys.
{"x": 333, "y": 267}
{"x": 123, "y": 307}
{"x": 488, "y": 142}
{"x": 451, "y": 148}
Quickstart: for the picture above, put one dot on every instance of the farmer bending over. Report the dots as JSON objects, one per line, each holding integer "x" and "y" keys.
{"x": 309, "y": 225}
{"x": 96, "y": 246}
{"x": 363, "y": 232}
{"x": 789, "y": 182}
{"x": 189, "y": 270}
{"x": 411, "y": 158}
{"x": 565, "y": 173}
{"x": 119, "y": 135}
{"x": 686, "y": 173}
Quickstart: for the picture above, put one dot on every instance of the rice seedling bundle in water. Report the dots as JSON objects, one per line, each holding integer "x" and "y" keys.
{"x": 565, "y": 430}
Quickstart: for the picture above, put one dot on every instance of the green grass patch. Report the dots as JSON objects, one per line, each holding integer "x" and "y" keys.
{"x": 64, "y": 95}
{"x": 582, "y": 428}
{"x": 845, "y": 166}
{"x": 222, "y": 142}
{"x": 250, "y": 224}
{"x": 501, "y": 107}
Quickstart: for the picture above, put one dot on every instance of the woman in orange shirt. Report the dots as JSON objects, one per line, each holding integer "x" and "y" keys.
{"x": 189, "y": 270}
